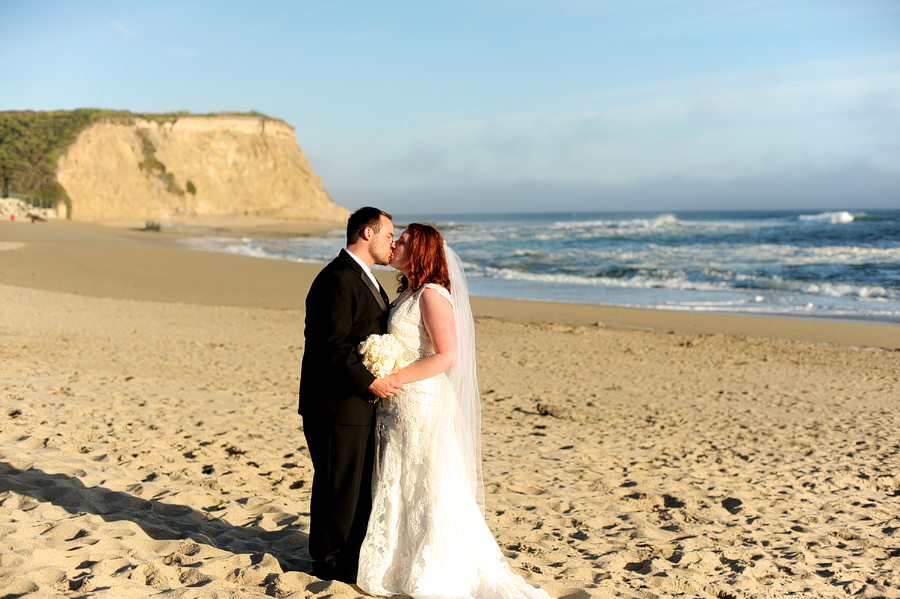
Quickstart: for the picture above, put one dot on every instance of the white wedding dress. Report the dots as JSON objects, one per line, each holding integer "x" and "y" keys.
{"x": 427, "y": 537}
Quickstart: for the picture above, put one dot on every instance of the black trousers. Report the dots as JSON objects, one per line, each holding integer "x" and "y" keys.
{"x": 343, "y": 457}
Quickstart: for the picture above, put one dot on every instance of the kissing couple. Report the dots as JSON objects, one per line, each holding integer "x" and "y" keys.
{"x": 397, "y": 497}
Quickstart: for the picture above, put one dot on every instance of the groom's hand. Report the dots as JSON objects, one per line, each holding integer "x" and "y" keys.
{"x": 384, "y": 387}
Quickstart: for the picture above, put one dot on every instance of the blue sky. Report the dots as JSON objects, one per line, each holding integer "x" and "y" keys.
{"x": 503, "y": 105}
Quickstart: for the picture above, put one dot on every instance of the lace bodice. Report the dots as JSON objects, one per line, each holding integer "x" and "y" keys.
{"x": 405, "y": 323}
{"x": 418, "y": 402}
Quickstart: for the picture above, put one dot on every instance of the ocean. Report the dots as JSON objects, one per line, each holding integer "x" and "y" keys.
{"x": 821, "y": 264}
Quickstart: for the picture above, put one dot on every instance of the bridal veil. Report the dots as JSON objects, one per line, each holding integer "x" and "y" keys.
{"x": 465, "y": 411}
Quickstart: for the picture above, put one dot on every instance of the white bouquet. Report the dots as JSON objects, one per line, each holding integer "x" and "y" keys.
{"x": 381, "y": 353}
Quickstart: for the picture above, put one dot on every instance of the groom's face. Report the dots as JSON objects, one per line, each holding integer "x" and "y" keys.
{"x": 382, "y": 243}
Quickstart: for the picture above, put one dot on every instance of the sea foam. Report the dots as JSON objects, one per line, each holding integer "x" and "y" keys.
{"x": 835, "y": 218}
{"x": 826, "y": 264}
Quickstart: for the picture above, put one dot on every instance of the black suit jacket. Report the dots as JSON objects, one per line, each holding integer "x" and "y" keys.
{"x": 343, "y": 307}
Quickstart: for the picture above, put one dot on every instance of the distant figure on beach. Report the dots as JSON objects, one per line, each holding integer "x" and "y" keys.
{"x": 345, "y": 304}
{"x": 426, "y": 535}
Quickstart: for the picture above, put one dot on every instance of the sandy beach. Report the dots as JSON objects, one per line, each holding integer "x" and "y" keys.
{"x": 150, "y": 444}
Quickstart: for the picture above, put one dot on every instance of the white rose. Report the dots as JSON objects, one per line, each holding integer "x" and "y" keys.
{"x": 380, "y": 354}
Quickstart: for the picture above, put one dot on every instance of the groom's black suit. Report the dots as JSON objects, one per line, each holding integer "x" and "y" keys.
{"x": 343, "y": 307}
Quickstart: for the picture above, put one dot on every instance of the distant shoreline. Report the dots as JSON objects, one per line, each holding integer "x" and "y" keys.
{"x": 255, "y": 228}
{"x": 120, "y": 262}
{"x": 252, "y": 226}
{"x": 268, "y": 228}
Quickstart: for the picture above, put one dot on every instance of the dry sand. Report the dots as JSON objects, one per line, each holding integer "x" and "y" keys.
{"x": 150, "y": 444}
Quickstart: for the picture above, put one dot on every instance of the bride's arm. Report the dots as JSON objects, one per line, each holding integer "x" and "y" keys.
{"x": 437, "y": 314}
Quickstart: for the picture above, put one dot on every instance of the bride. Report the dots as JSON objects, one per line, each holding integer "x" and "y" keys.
{"x": 426, "y": 535}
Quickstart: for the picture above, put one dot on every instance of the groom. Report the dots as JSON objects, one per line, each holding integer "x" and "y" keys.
{"x": 345, "y": 305}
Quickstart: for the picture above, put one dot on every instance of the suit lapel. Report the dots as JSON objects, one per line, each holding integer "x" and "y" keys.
{"x": 377, "y": 291}
{"x": 379, "y": 294}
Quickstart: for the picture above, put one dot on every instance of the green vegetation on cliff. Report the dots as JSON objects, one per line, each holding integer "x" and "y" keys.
{"x": 32, "y": 142}
{"x": 152, "y": 165}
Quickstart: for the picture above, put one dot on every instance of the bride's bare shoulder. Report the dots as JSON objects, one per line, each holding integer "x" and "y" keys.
{"x": 433, "y": 292}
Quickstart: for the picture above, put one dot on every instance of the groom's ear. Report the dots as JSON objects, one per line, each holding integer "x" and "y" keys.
{"x": 367, "y": 233}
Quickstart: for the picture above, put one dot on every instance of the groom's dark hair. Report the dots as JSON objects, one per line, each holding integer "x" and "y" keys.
{"x": 366, "y": 216}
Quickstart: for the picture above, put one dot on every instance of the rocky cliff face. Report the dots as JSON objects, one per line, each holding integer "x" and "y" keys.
{"x": 192, "y": 166}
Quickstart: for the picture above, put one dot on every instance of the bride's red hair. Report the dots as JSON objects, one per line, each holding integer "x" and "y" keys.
{"x": 426, "y": 259}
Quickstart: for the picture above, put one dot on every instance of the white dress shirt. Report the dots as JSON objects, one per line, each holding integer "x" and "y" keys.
{"x": 367, "y": 270}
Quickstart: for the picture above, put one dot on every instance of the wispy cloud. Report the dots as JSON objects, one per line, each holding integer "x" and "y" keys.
{"x": 722, "y": 13}
{"x": 741, "y": 124}
{"x": 121, "y": 28}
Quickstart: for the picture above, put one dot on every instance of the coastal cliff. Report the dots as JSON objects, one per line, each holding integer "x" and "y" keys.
{"x": 182, "y": 166}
